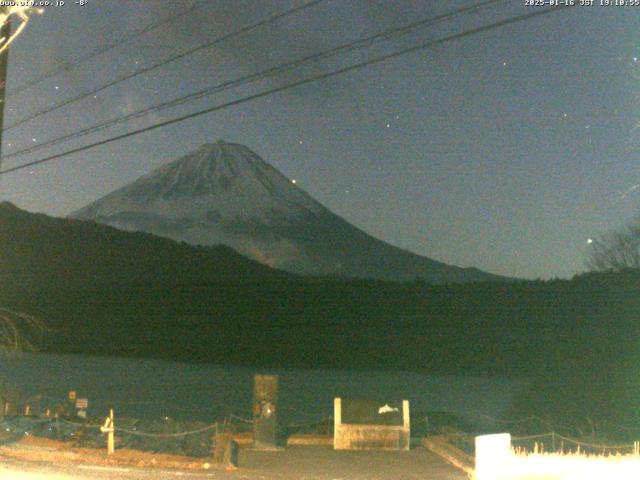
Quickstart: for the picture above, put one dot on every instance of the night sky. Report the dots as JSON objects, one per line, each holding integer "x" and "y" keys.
{"x": 506, "y": 150}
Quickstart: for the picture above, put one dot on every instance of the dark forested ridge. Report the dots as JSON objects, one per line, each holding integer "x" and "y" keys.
{"x": 157, "y": 297}
{"x": 109, "y": 292}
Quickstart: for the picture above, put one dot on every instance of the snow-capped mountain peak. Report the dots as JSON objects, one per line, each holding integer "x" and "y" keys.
{"x": 223, "y": 193}
{"x": 224, "y": 181}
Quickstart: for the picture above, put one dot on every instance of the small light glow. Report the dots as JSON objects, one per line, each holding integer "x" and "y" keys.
{"x": 294, "y": 181}
{"x": 589, "y": 241}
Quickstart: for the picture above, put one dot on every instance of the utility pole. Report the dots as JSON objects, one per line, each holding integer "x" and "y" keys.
{"x": 5, "y": 32}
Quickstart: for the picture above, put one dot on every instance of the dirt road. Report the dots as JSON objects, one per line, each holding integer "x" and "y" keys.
{"x": 293, "y": 463}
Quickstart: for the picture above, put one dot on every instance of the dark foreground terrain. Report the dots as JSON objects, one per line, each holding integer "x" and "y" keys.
{"x": 36, "y": 462}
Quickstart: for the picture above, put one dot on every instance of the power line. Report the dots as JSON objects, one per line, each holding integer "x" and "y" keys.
{"x": 106, "y": 48}
{"x": 298, "y": 83}
{"x": 162, "y": 63}
{"x": 347, "y": 47}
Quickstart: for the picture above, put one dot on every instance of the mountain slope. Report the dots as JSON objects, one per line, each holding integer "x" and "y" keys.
{"x": 226, "y": 194}
{"x": 44, "y": 252}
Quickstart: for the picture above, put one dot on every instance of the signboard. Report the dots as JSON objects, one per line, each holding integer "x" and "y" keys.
{"x": 371, "y": 425}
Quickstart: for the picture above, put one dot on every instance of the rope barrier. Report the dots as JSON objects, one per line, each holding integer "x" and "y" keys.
{"x": 77, "y": 424}
{"x": 546, "y": 422}
{"x": 574, "y": 441}
{"x": 318, "y": 418}
{"x": 231, "y": 416}
{"x": 143, "y": 434}
{"x": 596, "y": 446}
{"x": 167, "y": 435}
{"x": 532, "y": 437}
{"x": 506, "y": 421}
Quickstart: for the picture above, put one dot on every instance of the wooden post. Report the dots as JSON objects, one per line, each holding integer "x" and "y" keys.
{"x": 109, "y": 429}
{"x": 406, "y": 422}
{"x": 337, "y": 420}
{"x": 225, "y": 450}
{"x": 110, "y": 439}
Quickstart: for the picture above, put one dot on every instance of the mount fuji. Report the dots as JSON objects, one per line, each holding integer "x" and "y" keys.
{"x": 224, "y": 193}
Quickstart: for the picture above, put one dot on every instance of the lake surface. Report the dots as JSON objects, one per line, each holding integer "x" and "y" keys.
{"x": 154, "y": 389}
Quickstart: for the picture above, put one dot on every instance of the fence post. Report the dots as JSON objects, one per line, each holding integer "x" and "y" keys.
{"x": 225, "y": 450}
{"x": 111, "y": 441}
{"x": 109, "y": 429}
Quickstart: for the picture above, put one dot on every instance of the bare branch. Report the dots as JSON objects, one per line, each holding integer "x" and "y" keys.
{"x": 17, "y": 330}
{"x": 618, "y": 250}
